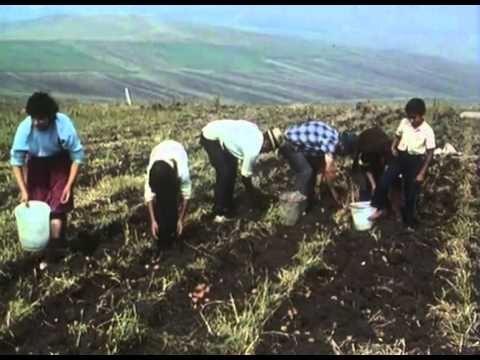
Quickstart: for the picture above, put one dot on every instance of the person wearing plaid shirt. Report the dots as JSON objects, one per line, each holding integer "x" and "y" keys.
{"x": 310, "y": 147}
{"x": 313, "y": 138}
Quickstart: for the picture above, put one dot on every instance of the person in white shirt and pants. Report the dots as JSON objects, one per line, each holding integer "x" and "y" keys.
{"x": 226, "y": 142}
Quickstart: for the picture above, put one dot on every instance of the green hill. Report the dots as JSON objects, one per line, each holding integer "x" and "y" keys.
{"x": 170, "y": 60}
{"x": 48, "y": 56}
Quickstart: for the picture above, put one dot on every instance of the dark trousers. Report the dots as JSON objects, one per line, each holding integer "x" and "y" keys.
{"x": 409, "y": 166}
{"x": 225, "y": 165}
{"x": 305, "y": 168}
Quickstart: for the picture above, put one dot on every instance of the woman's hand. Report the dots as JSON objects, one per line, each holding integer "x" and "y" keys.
{"x": 179, "y": 228}
{"x": 420, "y": 177}
{"x": 330, "y": 176}
{"x": 329, "y": 172}
{"x": 24, "y": 197}
{"x": 65, "y": 194}
{"x": 371, "y": 179}
{"x": 154, "y": 229}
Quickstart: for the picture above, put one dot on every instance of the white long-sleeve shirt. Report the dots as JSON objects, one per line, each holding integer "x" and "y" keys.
{"x": 167, "y": 151}
{"x": 243, "y": 139}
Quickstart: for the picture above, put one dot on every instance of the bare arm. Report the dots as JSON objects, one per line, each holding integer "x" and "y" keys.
{"x": 73, "y": 174}
{"x": 153, "y": 222}
{"x": 183, "y": 210}
{"x": 151, "y": 211}
{"x": 329, "y": 175}
{"x": 426, "y": 163}
{"x": 19, "y": 177}
{"x": 330, "y": 171}
{"x": 71, "y": 180}
{"x": 394, "y": 146}
{"x": 181, "y": 216}
{"x": 371, "y": 179}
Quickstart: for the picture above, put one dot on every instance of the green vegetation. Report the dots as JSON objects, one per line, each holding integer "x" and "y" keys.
{"x": 250, "y": 286}
{"x": 40, "y": 56}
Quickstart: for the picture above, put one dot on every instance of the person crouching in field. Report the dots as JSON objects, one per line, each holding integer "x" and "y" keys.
{"x": 413, "y": 151}
{"x": 372, "y": 155}
{"x": 167, "y": 190}
{"x": 226, "y": 142}
{"x": 45, "y": 155}
{"x": 310, "y": 148}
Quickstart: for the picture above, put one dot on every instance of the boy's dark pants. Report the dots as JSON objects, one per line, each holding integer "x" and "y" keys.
{"x": 409, "y": 166}
{"x": 305, "y": 168}
{"x": 225, "y": 165}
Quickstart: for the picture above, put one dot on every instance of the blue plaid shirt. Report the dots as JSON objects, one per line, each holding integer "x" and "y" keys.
{"x": 313, "y": 138}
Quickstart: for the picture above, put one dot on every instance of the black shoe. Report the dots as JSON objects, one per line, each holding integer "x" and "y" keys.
{"x": 311, "y": 204}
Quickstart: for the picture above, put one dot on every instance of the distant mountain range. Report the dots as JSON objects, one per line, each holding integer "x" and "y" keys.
{"x": 96, "y": 57}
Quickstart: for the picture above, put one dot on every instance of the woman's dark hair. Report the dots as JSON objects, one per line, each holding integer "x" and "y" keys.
{"x": 373, "y": 144}
{"x": 41, "y": 104}
{"x": 348, "y": 143}
{"x": 163, "y": 181}
{"x": 415, "y": 106}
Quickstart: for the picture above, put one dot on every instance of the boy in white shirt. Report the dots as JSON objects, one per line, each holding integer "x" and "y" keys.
{"x": 413, "y": 151}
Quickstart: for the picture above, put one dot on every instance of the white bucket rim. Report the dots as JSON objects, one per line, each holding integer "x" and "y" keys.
{"x": 360, "y": 205}
{"x": 35, "y": 203}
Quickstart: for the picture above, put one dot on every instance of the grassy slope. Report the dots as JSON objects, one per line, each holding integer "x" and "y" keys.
{"x": 35, "y": 56}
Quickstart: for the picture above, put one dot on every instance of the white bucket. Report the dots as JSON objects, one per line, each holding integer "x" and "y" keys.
{"x": 33, "y": 224}
{"x": 361, "y": 211}
{"x": 292, "y": 206}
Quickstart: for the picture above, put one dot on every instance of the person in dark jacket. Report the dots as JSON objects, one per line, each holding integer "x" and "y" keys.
{"x": 372, "y": 157}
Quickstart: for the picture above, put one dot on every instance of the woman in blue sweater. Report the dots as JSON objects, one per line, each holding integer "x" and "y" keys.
{"x": 45, "y": 157}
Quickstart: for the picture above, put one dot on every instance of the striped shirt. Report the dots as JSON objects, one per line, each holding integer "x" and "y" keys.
{"x": 313, "y": 138}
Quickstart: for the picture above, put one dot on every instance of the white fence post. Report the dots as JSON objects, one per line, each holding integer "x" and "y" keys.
{"x": 127, "y": 97}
